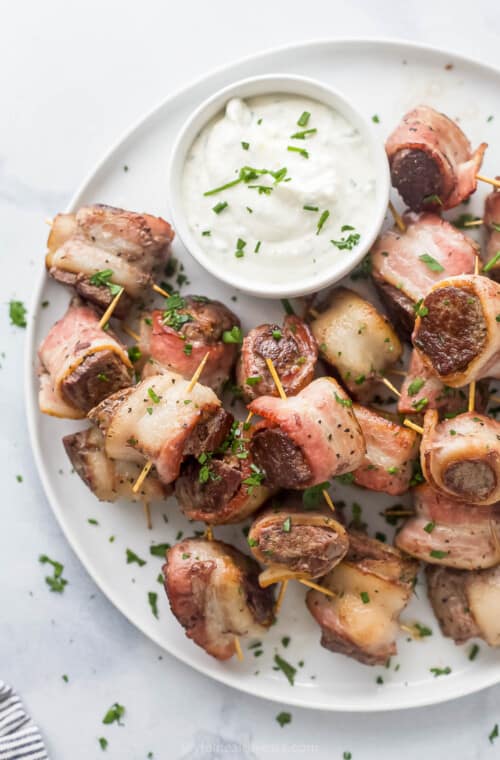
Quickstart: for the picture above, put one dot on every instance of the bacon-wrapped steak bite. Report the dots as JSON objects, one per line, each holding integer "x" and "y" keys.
{"x": 422, "y": 389}
{"x": 80, "y": 364}
{"x": 293, "y": 351}
{"x": 466, "y": 604}
{"x": 391, "y": 452}
{"x": 180, "y": 335}
{"x": 457, "y": 332}
{"x": 109, "y": 479}
{"x": 355, "y": 339}
{"x": 308, "y": 438}
{"x": 405, "y": 265}
{"x": 491, "y": 220}
{"x": 100, "y": 247}
{"x": 295, "y": 542}
{"x": 431, "y": 160}
{"x": 451, "y": 533}
{"x": 222, "y": 486}
{"x": 214, "y": 593}
{"x": 372, "y": 586}
{"x": 159, "y": 420}
{"x": 461, "y": 456}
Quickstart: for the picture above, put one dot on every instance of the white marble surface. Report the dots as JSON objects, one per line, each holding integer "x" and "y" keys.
{"x": 73, "y": 76}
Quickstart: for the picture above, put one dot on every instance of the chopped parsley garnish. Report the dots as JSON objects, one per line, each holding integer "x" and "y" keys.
{"x": 92, "y": 521}
{"x": 253, "y": 380}
{"x": 247, "y": 174}
{"x": 134, "y": 353}
{"x": 277, "y": 334}
{"x": 494, "y": 225}
{"x": 420, "y": 310}
{"x": 285, "y": 641}
{"x": 302, "y": 151}
{"x": 310, "y": 208}
{"x": 206, "y": 233}
{"x": 420, "y": 404}
{"x": 220, "y": 206}
{"x": 55, "y": 582}
{"x": 288, "y": 670}
{"x": 287, "y": 525}
{"x": 104, "y": 278}
{"x": 363, "y": 270}
{"x": 255, "y": 479}
{"x": 159, "y": 550}
{"x": 434, "y": 199}
{"x": 473, "y": 652}
{"x": 153, "y": 602}
{"x": 283, "y": 718}
{"x": 375, "y": 119}
{"x": 321, "y": 222}
{"x": 423, "y": 630}
{"x": 492, "y": 262}
{"x": 188, "y": 349}
{"x": 153, "y": 396}
{"x": 234, "y": 335}
{"x": 303, "y": 119}
{"x": 347, "y": 243}
{"x": 172, "y": 317}
{"x": 461, "y": 221}
{"x": 415, "y": 385}
{"x": 17, "y": 313}
{"x": 346, "y": 478}
{"x": 245, "y": 145}
{"x": 440, "y": 671}
{"x": 342, "y": 401}
{"x": 365, "y": 597}
{"x": 302, "y": 135}
{"x": 103, "y": 377}
{"x": 429, "y": 527}
{"x": 494, "y": 734}
{"x": 438, "y": 554}
{"x": 431, "y": 262}
{"x": 257, "y": 247}
{"x": 312, "y": 496}
{"x": 132, "y": 557}
{"x": 287, "y": 306}
{"x": 252, "y": 541}
{"x": 114, "y": 714}
{"x": 19, "y": 478}
{"x": 103, "y": 743}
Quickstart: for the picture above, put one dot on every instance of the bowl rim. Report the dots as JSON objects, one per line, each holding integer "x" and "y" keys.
{"x": 262, "y": 85}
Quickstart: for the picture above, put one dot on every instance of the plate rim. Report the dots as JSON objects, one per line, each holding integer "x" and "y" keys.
{"x": 33, "y": 417}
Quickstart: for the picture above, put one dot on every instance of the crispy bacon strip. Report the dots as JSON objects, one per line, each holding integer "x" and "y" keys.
{"x": 68, "y": 370}
{"x": 109, "y": 479}
{"x": 99, "y": 238}
{"x": 214, "y": 593}
{"x": 405, "y": 265}
{"x": 180, "y": 346}
{"x": 458, "y": 332}
{"x": 317, "y": 427}
{"x": 391, "y": 451}
{"x": 451, "y": 533}
{"x": 293, "y": 351}
{"x": 296, "y": 543}
{"x": 156, "y": 421}
{"x": 431, "y": 157}
{"x": 461, "y": 456}
{"x": 466, "y": 603}
{"x": 491, "y": 220}
{"x": 372, "y": 586}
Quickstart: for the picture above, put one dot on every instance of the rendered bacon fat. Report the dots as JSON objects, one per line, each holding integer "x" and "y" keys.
{"x": 126, "y": 248}
{"x": 461, "y": 456}
{"x": 458, "y": 332}
{"x": 214, "y": 593}
{"x": 293, "y": 351}
{"x": 158, "y": 420}
{"x": 405, "y": 265}
{"x": 491, "y": 220}
{"x": 295, "y": 542}
{"x": 355, "y": 339}
{"x": 451, "y": 533}
{"x": 180, "y": 335}
{"x": 222, "y": 486}
{"x": 467, "y": 604}
{"x": 109, "y": 479}
{"x": 80, "y": 364}
{"x": 308, "y": 438}
{"x": 372, "y": 586}
{"x": 431, "y": 160}
{"x": 391, "y": 452}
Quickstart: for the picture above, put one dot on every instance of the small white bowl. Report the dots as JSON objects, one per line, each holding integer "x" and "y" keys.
{"x": 267, "y": 85}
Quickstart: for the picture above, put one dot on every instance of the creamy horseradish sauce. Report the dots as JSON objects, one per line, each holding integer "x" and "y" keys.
{"x": 277, "y": 187}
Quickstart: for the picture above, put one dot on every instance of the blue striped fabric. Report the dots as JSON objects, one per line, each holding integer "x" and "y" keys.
{"x": 19, "y": 738}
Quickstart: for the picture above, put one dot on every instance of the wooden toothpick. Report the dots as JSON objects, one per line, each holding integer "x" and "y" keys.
{"x": 488, "y": 180}
{"x": 159, "y": 290}
{"x": 109, "y": 311}
{"x": 417, "y": 428}
{"x": 128, "y": 331}
{"x": 397, "y": 218}
{"x": 317, "y": 587}
{"x": 142, "y": 477}
{"x": 389, "y": 385}
{"x": 281, "y": 596}
{"x": 147, "y": 513}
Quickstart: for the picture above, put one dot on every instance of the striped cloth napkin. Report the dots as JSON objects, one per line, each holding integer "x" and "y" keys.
{"x": 19, "y": 738}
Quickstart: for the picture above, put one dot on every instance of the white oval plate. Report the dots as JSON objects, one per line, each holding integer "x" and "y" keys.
{"x": 382, "y": 78}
